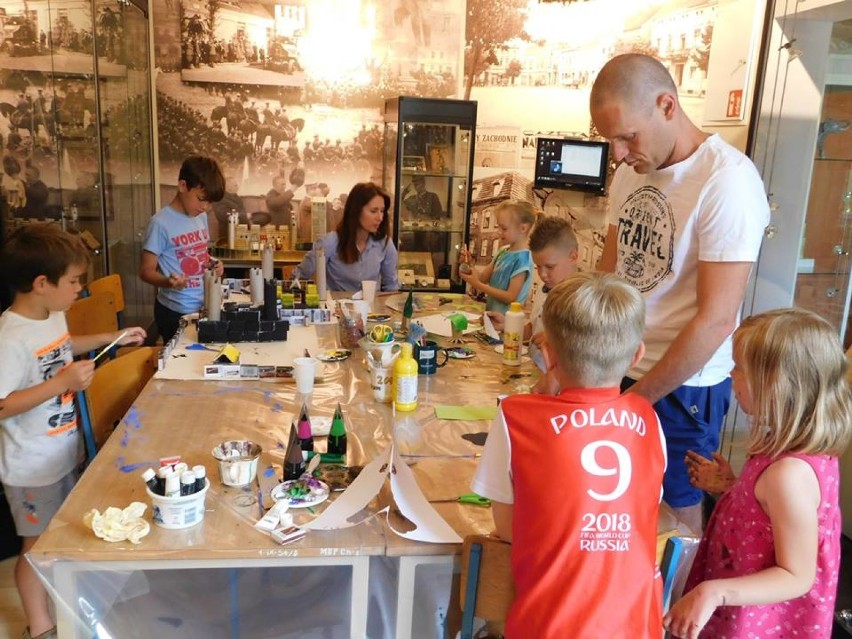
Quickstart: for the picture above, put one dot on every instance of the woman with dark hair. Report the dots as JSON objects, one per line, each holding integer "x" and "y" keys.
{"x": 360, "y": 249}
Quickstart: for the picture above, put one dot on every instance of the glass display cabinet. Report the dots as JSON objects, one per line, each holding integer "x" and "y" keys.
{"x": 428, "y": 166}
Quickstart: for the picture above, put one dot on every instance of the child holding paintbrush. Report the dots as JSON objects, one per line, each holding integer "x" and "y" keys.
{"x": 40, "y": 444}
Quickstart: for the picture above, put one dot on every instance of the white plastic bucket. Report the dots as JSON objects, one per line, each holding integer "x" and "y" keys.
{"x": 178, "y": 512}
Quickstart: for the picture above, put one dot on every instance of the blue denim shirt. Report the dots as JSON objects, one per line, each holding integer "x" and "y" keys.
{"x": 377, "y": 262}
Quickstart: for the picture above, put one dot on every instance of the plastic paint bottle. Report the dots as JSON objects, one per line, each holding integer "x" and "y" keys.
{"x": 405, "y": 380}
{"x": 200, "y": 477}
{"x": 513, "y": 330}
{"x": 153, "y": 482}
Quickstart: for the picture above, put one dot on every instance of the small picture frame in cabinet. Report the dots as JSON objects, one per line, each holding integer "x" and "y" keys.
{"x": 419, "y": 262}
{"x": 413, "y": 163}
{"x": 439, "y": 158}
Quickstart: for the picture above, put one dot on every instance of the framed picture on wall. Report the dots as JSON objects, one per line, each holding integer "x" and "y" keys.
{"x": 420, "y": 263}
{"x": 413, "y": 163}
{"x": 439, "y": 158}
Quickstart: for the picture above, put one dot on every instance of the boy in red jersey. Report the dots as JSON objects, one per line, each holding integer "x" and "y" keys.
{"x": 576, "y": 478}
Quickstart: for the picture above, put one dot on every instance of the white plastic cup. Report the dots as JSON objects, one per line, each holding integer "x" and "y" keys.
{"x": 368, "y": 290}
{"x": 380, "y": 382}
{"x": 304, "y": 370}
{"x": 178, "y": 512}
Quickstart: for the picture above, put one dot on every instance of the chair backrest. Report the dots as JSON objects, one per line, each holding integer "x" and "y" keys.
{"x": 115, "y": 386}
{"x": 672, "y": 554}
{"x": 93, "y": 314}
{"x": 109, "y": 284}
{"x": 487, "y": 587}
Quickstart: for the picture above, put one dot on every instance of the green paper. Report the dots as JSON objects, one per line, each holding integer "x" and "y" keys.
{"x": 328, "y": 458}
{"x": 458, "y": 321}
{"x": 470, "y": 413}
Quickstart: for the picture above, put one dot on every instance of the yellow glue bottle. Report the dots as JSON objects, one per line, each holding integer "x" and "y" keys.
{"x": 513, "y": 331}
{"x": 405, "y": 380}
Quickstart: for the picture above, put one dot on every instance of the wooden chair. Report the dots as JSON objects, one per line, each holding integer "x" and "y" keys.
{"x": 487, "y": 588}
{"x": 93, "y": 314}
{"x": 110, "y": 284}
{"x": 113, "y": 390}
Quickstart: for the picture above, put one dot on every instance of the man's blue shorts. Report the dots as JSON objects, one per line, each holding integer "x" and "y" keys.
{"x": 692, "y": 418}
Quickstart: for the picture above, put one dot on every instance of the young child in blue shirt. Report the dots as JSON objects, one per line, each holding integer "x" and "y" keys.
{"x": 174, "y": 255}
{"x": 40, "y": 442}
{"x": 509, "y": 276}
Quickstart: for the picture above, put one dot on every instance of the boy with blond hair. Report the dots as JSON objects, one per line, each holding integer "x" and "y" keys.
{"x": 40, "y": 443}
{"x": 575, "y": 478}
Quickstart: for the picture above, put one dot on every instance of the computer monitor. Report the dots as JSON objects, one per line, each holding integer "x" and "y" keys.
{"x": 571, "y": 163}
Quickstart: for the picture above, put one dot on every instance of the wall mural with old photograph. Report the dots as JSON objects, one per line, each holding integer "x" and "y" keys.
{"x": 289, "y": 95}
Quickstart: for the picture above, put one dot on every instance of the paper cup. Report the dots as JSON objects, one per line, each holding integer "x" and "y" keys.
{"x": 178, "y": 512}
{"x": 368, "y": 290}
{"x": 237, "y": 461}
{"x": 304, "y": 370}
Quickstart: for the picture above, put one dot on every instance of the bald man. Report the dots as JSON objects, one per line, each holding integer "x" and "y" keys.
{"x": 687, "y": 214}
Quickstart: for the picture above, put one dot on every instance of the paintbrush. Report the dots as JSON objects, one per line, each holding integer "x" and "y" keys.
{"x": 110, "y": 345}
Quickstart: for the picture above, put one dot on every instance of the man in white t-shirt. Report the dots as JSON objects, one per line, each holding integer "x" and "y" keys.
{"x": 687, "y": 214}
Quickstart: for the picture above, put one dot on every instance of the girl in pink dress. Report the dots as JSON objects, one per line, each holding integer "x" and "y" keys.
{"x": 768, "y": 563}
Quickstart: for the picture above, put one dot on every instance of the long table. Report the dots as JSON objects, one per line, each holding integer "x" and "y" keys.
{"x": 222, "y": 577}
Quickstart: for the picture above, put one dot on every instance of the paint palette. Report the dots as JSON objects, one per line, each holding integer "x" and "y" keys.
{"x": 378, "y": 317}
{"x": 301, "y": 493}
{"x": 499, "y": 349}
{"x": 337, "y": 477}
{"x": 460, "y": 352}
{"x": 334, "y": 355}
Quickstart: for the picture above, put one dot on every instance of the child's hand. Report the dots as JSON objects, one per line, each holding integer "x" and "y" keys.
{"x": 692, "y": 612}
{"x": 498, "y": 320}
{"x": 711, "y": 476}
{"x": 464, "y": 255}
{"x": 177, "y": 281}
{"x": 538, "y": 339}
{"x": 218, "y": 267}
{"x": 78, "y": 375}
{"x": 135, "y": 335}
{"x": 471, "y": 278}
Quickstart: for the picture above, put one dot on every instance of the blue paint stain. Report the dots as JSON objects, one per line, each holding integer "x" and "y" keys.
{"x": 125, "y": 438}
{"x": 133, "y": 418}
{"x": 277, "y": 407}
{"x": 269, "y": 472}
{"x": 132, "y": 468}
{"x": 267, "y": 396}
{"x": 280, "y": 444}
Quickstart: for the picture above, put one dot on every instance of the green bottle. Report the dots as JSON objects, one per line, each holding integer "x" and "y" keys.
{"x": 408, "y": 310}
{"x": 337, "y": 434}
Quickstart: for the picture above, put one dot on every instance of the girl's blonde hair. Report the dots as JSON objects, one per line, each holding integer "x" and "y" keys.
{"x": 795, "y": 368}
{"x": 523, "y": 212}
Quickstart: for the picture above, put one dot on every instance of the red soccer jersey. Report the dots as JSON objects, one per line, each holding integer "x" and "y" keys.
{"x": 587, "y": 469}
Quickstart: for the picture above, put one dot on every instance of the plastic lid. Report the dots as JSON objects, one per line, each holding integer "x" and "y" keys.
{"x": 148, "y": 475}
{"x": 515, "y": 307}
{"x": 407, "y": 349}
{"x": 187, "y": 477}
{"x": 200, "y": 471}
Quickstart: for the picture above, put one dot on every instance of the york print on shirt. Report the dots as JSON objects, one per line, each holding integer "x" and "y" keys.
{"x": 191, "y": 253}
{"x": 52, "y": 358}
{"x": 645, "y": 238}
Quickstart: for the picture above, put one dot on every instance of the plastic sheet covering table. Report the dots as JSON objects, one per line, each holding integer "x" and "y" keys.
{"x": 222, "y": 578}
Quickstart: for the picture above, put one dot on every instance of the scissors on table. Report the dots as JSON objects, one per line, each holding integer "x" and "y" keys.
{"x": 381, "y": 333}
{"x": 468, "y": 498}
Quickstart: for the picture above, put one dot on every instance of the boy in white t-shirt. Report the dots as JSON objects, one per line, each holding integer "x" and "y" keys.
{"x": 40, "y": 445}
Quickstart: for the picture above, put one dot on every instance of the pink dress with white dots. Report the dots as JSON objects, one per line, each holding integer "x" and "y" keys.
{"x": 738, "y": 541}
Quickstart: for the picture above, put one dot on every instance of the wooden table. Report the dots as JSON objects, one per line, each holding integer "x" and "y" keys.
{"x": 223, "y": 578}
{"x": 189, "y": 418}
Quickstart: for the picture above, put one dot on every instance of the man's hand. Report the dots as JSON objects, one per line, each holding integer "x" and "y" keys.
{"x": 715, "y": 476}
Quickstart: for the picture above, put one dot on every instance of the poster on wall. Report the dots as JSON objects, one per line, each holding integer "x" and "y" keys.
{"x": 289, "y": 101}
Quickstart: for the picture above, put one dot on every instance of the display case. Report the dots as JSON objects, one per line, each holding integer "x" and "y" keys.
{"x": 428, "y": 166}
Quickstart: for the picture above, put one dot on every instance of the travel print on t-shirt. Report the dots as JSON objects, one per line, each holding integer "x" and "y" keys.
{"x": 645, "y": 238}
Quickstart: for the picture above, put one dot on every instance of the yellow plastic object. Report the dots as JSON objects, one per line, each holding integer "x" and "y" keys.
{"x": 405, "y": 380}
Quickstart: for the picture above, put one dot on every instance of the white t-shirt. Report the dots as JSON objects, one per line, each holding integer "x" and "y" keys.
{"x": 710, "y": 207}
{"x": 537, "y": 325}
{"x": 41, "y": 446}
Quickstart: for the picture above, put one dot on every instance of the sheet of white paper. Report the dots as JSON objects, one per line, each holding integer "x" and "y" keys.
{"x": 439, "y": 323}
{"x": 356, "y": 497}
{"x": 488, "y": 327}
{"x": 415, "y": 507}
